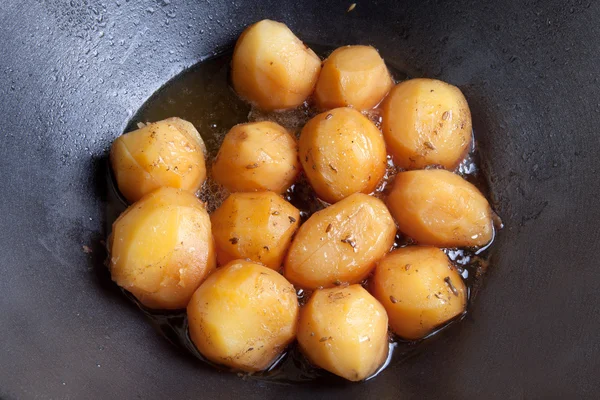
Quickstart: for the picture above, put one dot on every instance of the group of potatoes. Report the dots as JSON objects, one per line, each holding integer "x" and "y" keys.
{"x": 165, "y": 247}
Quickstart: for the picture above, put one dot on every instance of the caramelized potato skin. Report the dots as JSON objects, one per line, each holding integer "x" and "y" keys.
{"x": 345, "y": 331}
{"x": 162, "y": 248}
{"x": 340, "y": 244}
{"x": 257, "y": 156}
{"x": 439, "y": 208}
{"x": 272, "y": 68}
{"x": 342, "y": 153}
{"x": 420, "y": 289}
{"x": 164, "y": 153}
{"x": 353, "y": 76}
{"x": 257, "y": 226}
{"x": 243, "y": 316}
{"x": 426, "y": 122}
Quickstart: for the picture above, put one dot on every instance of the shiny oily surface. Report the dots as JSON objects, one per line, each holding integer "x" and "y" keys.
{"x": 272, "y": 68}
{"x": 342, "y": 152}
{"x": 165, "y": 153}
{"x": 162, "y": 248}
{"x": 439, "y": 208}
{"x": 255, "y": 225}
{"x": 419, "y": 288}
{"x": 426, "y": 122}
{"x": 257, "y": 156}
{"x": 352, "y": 76}
{"x": 340, "y": 244}
{"x": 345, "y": 331}
{"x": 202, "y": 96}
{"x": 243, "y": 316}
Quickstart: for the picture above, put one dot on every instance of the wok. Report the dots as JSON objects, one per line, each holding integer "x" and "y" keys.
{"x": 72, "y": 75}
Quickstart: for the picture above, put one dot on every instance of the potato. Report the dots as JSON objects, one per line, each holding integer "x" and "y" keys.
{"x": 161, "y": 248}
{"x": 420, "y": 289}
{"x": 342, "y": 153}
{"x": 257, "y": 156}
{"x": 256, "y": 226}
{"x": 426, "y": 122}
{"x": 439, "y": 208}
{"x": 272, "y": 68}
{"x": 353, "y": 76}
{"x": 345, "y": 331}
{"x": 165, "y": 153}
{"x": 341, "y": 243}
{"x": 243, "y": 316}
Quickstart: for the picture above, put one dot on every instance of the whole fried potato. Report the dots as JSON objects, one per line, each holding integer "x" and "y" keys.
{"x": 439, "y": 208}
{"x": 341, "y": 243}
{"x": 165, "y": 153}
{"x": 256, "y": 226}
{"x": 342, "y": 153}
{"x": 272, "y": 68}
{"x": 345, "y": 331}
{"x": 353, "y": 76}
{"x": 420, "y": 289}
{"x": 257, "y": 156}
{"x": 426, "y": 122}
{"x": 161, "y": 248}
{"x": 243, "y": 316}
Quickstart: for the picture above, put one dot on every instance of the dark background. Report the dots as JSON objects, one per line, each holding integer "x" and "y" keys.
{"x": 73, "y": 73}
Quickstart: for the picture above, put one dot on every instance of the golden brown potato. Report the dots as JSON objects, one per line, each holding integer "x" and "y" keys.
{"x": 257, "y": 156}
{"x": 426, "y": 122}
{"x": 162, "y": 248}
{"x": 342, "y": 153}
{"x": 353, "y": 76}
{"x": 272, "y": 68}
{"x": 256, "y": 226}
{"x": 165, "y": 153}
{"x": 345, "y": 331}
{"x": 243, "y": 316}
{"x": 341, "y": 243}
{"x": 439, "y": 208}
{"x": 420, "y": 289}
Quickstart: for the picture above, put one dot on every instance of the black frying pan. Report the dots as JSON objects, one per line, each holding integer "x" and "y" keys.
{"x": 72, "y": 74}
